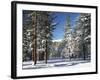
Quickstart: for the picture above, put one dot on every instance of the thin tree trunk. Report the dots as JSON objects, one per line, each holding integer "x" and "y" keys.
{"x": 34, "y": 54}
{"x": 46, "y": 53}
{"x": 84, "y": 52}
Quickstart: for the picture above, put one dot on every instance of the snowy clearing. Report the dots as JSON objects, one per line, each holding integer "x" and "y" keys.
{"x": 55, "y": 63}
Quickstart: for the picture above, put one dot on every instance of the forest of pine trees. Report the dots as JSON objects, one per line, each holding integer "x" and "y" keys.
{"x": 77, "y": 41}
{"x": 37, "y": 37}
{"x": 37, "y": 34}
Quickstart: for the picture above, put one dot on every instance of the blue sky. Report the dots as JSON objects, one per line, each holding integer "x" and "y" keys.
{"x": 58, "y": 33}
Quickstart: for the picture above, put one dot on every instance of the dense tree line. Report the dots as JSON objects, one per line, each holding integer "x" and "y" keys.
{"x": 37, "y": 34}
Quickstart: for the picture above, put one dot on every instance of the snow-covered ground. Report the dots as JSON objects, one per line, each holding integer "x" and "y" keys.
{"x": 55, "y": 63}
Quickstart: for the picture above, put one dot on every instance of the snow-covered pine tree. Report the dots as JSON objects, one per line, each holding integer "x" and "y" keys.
{"x": 82, "y": 32}
{"x": 67, "y": 44}
{"x": 27, "y": 35}
{"x": 86, "y": 35}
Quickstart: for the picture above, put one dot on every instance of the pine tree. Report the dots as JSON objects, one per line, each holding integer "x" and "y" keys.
{"x": 82, "y": 32}
{"x": 27, "y": 36}
{"x": 66, "y": 46}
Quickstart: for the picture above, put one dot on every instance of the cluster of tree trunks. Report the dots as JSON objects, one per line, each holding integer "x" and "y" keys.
{"x": 37, "y": 34}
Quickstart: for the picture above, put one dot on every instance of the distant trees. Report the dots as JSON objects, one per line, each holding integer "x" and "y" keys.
{"x": 55, "y": 49}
